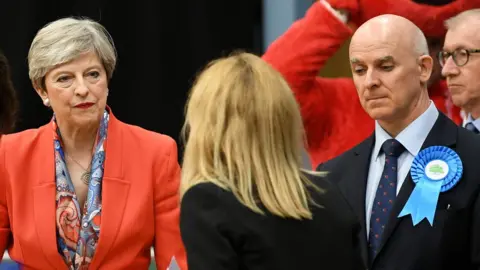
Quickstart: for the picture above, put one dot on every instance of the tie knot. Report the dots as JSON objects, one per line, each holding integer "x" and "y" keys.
{"x": 393, "y": 148}
{"x": 470, "y": 126}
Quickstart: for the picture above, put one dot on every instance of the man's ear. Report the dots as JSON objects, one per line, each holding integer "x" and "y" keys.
{"x": 425, "y": 67}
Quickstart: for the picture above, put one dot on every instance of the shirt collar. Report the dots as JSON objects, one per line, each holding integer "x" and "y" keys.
{"x": 413, "y": 136}
{"x": 469, "y": 119}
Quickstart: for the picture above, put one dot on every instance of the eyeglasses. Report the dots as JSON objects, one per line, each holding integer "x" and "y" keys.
{"x": 460, "y": 56}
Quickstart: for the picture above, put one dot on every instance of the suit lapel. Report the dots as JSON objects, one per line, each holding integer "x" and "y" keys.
{"x": 354, "y": 183}
{"x": 114, "y": 192}
{"x": 444, "y": 132}
{"x": 114, "y": 196}
{"x": 44, "y": 194}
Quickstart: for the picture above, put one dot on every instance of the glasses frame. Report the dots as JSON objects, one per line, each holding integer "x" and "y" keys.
{"x": 454, "y": 56}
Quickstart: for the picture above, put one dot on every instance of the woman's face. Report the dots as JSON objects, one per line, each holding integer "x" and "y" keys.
{"x": 77, "y": 90}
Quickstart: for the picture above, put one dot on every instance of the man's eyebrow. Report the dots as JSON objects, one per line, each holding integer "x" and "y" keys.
{"x": 354, "y": 60}
{"x": 458, "y": 47}
{"x": 387, "y": 58}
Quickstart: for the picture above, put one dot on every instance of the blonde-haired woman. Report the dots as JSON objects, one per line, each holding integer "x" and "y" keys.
{"x": 86, "y": 191}
{"x": 246, "y": 203}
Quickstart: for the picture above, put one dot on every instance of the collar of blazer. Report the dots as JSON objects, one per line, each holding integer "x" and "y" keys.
{"x": 114, "y": 195}
{"x": 444, "y": 132}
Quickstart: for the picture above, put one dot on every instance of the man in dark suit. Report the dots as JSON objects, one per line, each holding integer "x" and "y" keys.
{"x": 391, "y": 67}
{"x": 461, "y": 65}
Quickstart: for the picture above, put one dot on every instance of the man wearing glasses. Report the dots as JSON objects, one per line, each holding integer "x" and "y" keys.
{"x": 460, "y": 61}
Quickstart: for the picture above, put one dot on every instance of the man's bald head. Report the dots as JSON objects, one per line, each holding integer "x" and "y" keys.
{"x": 392, "y": 29}
{"x": 391, "y": 67}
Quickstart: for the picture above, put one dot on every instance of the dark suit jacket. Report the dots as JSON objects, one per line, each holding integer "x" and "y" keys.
{"x": 453, "y": 241}
{"x": 221, "y": 233}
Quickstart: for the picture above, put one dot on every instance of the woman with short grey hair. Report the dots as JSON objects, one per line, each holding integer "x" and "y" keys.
{"x": 65, "y": 40}
{"x": 86, "y": 190}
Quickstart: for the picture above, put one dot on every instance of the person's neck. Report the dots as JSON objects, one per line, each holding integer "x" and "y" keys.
{"x": 77, "y": 141}
{"x": 474, "y": 112}
{"x": 397, "y": 125}
{"x": 472, "y": 108}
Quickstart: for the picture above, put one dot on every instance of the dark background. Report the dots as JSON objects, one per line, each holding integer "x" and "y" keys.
{"x": 161, "y": 45}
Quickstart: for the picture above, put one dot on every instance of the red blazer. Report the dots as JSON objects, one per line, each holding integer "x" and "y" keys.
{"x": 139, "y": 200}
{"x": 333, "y": 118}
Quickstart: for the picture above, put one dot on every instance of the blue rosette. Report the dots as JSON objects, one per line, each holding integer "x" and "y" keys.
{"x": 435, "y": 169}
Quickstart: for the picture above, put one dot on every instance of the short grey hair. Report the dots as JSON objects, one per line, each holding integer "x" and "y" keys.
{"x": 420, "y": 44}
{"x": 64, "y": 40}
{"x": 462, "y": 17}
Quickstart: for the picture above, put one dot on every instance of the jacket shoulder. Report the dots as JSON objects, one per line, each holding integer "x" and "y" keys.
{"x": 468, "y": 145}
{"x": 331, "y": 164}
{"x": 22, "y": 139}
{"x": 466, "y": 138}
{"x": 207, "y": 192}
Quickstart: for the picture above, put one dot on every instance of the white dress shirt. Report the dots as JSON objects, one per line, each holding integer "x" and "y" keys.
{"x": 412, "y": 138}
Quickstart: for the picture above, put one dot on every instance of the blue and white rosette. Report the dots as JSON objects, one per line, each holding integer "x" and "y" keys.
{"x": 435, "y": 169}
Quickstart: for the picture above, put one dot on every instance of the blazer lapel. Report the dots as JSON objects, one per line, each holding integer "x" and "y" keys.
{"x": 354, "y": 184}
{"x": 114, "y": 192}
{"x": 444, "y": 132}
{"x": 44, "y": 194}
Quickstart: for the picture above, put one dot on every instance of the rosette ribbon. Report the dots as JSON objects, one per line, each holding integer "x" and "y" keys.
{"x": 435, "y": 169}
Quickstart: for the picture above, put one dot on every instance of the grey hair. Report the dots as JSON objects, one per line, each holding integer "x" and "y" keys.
{"x": 462, "y": 17}
{"x": 63, "y": 40}
{"x": 420, "y": 44}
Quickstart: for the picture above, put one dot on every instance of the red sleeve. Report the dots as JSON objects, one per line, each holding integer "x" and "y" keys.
{"x": 168, "y": 242}
{"x": 5, "y": 232}
{"x": 299, "y": 54}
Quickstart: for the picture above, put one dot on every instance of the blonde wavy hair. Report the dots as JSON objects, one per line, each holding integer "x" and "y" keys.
{"x": 243, "y": 132}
